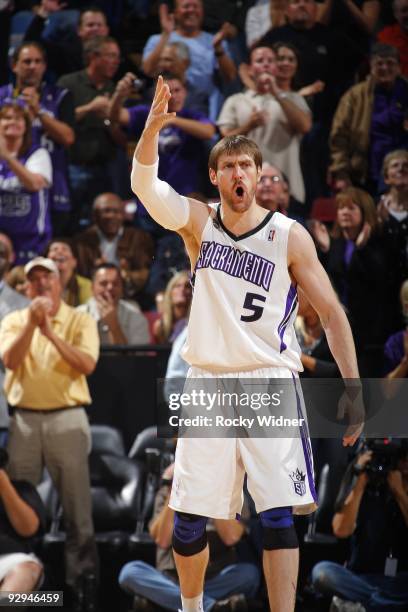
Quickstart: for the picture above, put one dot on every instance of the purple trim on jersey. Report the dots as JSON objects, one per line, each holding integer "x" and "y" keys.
{"x": 307, "y": 450}
{"x": 291, "y": 303}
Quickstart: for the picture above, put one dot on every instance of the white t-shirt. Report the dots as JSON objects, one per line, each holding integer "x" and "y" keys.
{"x": 40, "y": 163}
{"x": 278, "y": 144}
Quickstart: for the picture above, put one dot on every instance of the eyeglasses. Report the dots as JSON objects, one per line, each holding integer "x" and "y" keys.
{"x": 275, "y": 179}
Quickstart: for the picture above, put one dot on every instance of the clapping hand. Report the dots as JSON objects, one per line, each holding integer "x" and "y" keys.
{"x": 320, "y": 234}
{"x": 100, "y": 105}
{"x": 38, "y": 310}
{"x": 32, "y": 98}
{"x": 363, "y": 236}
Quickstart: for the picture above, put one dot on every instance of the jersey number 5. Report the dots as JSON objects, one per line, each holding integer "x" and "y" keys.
{"x": 249, "y": 304}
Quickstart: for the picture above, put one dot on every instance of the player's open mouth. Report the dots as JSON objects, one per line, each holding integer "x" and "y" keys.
{"x": 239, "y": 191}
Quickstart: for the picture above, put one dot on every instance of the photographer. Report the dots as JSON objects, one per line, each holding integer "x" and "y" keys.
{"x": 372, "y": 507}
{"x": 22, "y": 516}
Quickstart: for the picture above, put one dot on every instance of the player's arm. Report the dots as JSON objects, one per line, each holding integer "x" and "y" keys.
{"x": 306, "y": 268}
{"x": 170, "y": 209}
{"x": 312, "y": 278}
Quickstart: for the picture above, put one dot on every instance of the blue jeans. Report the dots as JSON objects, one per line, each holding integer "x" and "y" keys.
{"x": 139, "y": 578}
{"x": 374, "y": 591}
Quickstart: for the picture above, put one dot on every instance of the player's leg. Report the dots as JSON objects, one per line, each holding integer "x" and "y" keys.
{"x": 280, "y": 557}
{"x": 191, "y": 555}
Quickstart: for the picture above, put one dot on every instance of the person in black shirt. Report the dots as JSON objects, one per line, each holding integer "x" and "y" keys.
{"x": 374, "y": 511}
{"x": 22, "y": 516}
{"x": 65, "y": 51}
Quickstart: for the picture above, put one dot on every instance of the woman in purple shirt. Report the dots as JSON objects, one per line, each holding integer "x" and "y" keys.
{"x": 25, "y": 178}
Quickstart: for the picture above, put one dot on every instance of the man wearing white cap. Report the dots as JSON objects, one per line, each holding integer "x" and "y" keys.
{"x": 48, "y": 349}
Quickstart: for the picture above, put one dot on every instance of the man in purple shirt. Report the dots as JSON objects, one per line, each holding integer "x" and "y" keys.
{"x": 180, "y": 142}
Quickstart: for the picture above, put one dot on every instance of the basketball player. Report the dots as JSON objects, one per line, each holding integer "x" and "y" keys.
{"x": 247, "y": 262}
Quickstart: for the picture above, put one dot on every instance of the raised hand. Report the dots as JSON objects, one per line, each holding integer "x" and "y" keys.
{"x": 158, "y": 116}
{"x": 167, "y": 21}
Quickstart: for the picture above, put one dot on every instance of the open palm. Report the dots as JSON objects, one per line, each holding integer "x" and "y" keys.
{"x": 158, "y": 115}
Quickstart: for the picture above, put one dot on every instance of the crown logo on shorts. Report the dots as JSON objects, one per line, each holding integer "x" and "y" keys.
{"x": 298, "y": 478}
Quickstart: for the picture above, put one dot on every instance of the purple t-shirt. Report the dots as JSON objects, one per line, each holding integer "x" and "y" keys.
{"x": 394, "y": 351}
{"x": 24, "y": 215}
{"x": 181, "y": 156}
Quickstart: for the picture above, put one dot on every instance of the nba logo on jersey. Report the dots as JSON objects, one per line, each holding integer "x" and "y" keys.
{"x": 298, "y": 479}
{"x": 271, "y": 235}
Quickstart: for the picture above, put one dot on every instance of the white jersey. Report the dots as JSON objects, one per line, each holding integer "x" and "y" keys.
{"x": 244, "y": 303}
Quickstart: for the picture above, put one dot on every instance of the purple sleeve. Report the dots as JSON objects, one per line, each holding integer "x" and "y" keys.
{"x": 393, "y": 351}
{"x": 137, "y": 119}
{"x": 196, "y": 115}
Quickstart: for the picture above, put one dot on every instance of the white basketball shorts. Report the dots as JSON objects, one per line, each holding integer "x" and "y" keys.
{"x": 209, "y": 472}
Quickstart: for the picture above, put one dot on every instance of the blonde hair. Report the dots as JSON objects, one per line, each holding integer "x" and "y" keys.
{"x": 397, "y": 154}
{"x": 167, "y": 319}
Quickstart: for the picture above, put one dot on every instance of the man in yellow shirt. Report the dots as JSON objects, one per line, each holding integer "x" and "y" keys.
{"x": 48, "y": 350}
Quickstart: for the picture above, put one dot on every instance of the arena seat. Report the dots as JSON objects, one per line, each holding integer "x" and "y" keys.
{"x": 319, "y": 542}
{"x": 116, "y": 490}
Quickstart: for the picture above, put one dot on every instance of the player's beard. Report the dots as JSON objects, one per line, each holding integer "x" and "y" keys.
{"x": 236, "y": 204}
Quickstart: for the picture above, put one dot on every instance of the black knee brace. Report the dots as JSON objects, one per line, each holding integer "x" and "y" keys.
{"x": 278, "y": 529}
{"x": 189, "y": 535}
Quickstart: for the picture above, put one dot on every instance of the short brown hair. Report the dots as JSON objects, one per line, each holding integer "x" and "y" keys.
{"x": 22, "y": 112}
{"x": 235, "y": 145}
{"x": 365, "y": 203}
{"x": 397, "y": 154}
{"x": 94, "y": 46}
{"x": 25, "y": 45}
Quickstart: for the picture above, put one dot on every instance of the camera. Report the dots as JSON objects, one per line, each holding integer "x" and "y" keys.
{"x": 386, "y": 453}
{"x": 138, "y": 84}
{"x": 3, "y": 458}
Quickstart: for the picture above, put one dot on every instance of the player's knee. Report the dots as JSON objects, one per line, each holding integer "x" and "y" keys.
{"x": 278, "y": 529}
{"x": 189, "y": 535}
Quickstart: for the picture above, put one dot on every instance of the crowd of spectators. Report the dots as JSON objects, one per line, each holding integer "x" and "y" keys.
{"x": 319, "y": 85}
